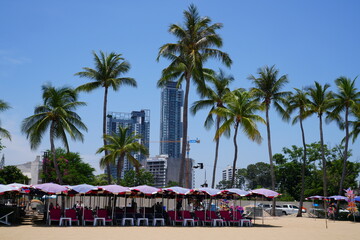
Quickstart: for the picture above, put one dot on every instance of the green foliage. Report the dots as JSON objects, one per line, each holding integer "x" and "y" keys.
{"x": 288, "y": 171}
{"x": 100, "y": 180}
{"x": 172, "y": 184}
{"x": 1, "y": 146}
{"x": 258, "y": 175}
{"x": 11, "y": 174}
{"x": 71, "y": 166}
{"x": 133, "y": 178}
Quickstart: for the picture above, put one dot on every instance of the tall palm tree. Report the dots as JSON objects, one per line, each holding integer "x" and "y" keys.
{"x": 195, "y": 45}
{"x": 56, "y": 114}
{"x": 346, "y": 99}
{"x": 107, "y": 72}
{"x": 320, "y": 102}
{"x": 3, "y": 132}
{"x": 118, "y": 147}
{"x": 214, "y": 98}
{"x": 355, "y": 124}
{"x": 240, "y": 112}
{"x": 299, "y": 102}
{"x": 268, "y": 89}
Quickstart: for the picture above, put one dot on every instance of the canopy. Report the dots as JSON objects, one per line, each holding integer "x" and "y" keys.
{"x": 83, "y": 188}
{"x": 177, "y": 190}
{"x": 241, "y": 193}
{"x": 145, "y": 189}
{"x": 6, "y": 188}
{"x": 265, "y": 192}
{"x": 209, "y": 191}
{"x": 51, "y": 188}
{"x": 115, "y": 189}
{"x": 357, "y": 199}
{"x": 338, "y": 197}
{"x": 316, "y": 197}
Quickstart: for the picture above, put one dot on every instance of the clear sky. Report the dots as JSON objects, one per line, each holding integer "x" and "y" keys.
{"x": 49, "y": 41}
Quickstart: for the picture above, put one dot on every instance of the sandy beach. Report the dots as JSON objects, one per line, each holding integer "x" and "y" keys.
{"x": 287, "y": 227}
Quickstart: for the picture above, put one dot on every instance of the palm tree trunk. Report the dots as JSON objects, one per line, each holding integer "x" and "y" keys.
{"x": 184, "y": 137}
{"x": 324, "y": 164}
{"x": 52, "y": 145}
{"x": 272, "y": 171}
{"x": 345, "y": 151}
{"x": 216, "y": 152}
{"x": 120, "y": 165}
{"x": 235, "y": 155}
{"x": 104, "y": 132}
{"x": 323, "y": 157}
{"x": 299, "y": 214}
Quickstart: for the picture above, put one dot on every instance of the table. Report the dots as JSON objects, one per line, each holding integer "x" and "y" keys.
{"x": 161, "y": 220}
{"x": 145, "y": 220}
{"x": 96, "y": 220}
{"x": 63, "y": 220}
{"x": 216, "y": 221}
{"x": 188, "y": 220}
{"x": 128, "y": 219}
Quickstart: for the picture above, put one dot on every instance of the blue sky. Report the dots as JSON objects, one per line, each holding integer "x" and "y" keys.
{"x": 49, "y": 41}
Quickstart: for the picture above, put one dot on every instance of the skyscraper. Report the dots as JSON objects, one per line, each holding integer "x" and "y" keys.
{"x": 171, "y": 120}
{"x": 139, "y": 123}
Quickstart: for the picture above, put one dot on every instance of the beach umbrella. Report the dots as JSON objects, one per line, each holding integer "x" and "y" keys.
{"x": 239, "y": 192}
{"x": 6, "y": 188}
{"x": 357, "y": 199}
{"x": 338, "y": 198}
{"x": 316, "y": 197}
{"x": 115, "y": 189}
{"x": 207, "y": 191}
{"x": 265, "y": 192}
{"x": 145, "y": 189}
{"x": 51, "y": 188}
{"x": 177, "y": 190}
{"x": 83, "y": 188}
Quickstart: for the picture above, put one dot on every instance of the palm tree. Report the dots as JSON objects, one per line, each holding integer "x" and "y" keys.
{"x": 268, "y": 89}
{"x": 196, "y": 39}
{"x": 118, "y": 147}
{"x": 214, "y": 99}
{"x": 320, "y": 102}
{"x": 3, "y": 132}
{"x": 345, "y": 100}
{"x": 355, "y": 124}
{"x": 300, "y": 102}
{"x": 57, "y": 114}
{"x": 240, "y": 113}
{"x": 107, "y": 72}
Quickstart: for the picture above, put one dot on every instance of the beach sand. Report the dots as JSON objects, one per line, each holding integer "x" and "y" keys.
{"x": 274, "y": 228}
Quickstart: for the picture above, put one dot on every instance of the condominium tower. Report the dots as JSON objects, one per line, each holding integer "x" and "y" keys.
{"x": 171, "y": 120}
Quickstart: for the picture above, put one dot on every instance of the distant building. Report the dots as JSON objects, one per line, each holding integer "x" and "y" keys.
{"x": 227, "y": 173}
{"x": 171, "y": 120}
{"x": 32, "y": 170}
{"x": 165, "y": 169}
{"x": 139, "y": 123}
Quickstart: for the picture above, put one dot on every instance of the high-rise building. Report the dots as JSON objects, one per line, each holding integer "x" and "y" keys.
{"x": 227, "y": 173}
{"x": 139, "y": 123}
{"x": 171, "y": 120}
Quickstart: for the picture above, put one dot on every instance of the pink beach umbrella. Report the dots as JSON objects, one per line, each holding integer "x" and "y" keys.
{"x": 115, "y": 189}
{"x": 239, "y": 192}
{"x": 83, "y": 188}
{"x": 51, "y": 188}
{"x": 338, "y": 198}
{"x": 6, "y": 188}
{"x": 316, "y": 197}
{"x": 145, "y": 189}
{"x": 265, "y": 192}
{"x": 177, "y": 190}
{"x": 208, "y": 191}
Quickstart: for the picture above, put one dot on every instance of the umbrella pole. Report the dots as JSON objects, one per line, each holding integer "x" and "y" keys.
{"x": 254, "y": 209}
{"x": 125, "y": 204}
{"x": 262, "y": 209}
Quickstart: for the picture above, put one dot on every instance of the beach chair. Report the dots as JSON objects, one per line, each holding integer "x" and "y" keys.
{"x": 54, "y": 215}
{"x": 6, "y": 220}
{"x": 228, "y": 219}
{"x": 88, "y": 216}
{"x": 72, "y": 214}
{"x": 200, "y": 216}
{"x": 214, "y": 218}
{"x": 103, "y": 213}
{"x": 242, "y": 221}
{"x": 188, "y": 218}
{"x": 174, "y": 217}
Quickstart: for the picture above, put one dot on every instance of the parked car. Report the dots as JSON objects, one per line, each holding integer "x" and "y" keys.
{"x": 288, "y": 209}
